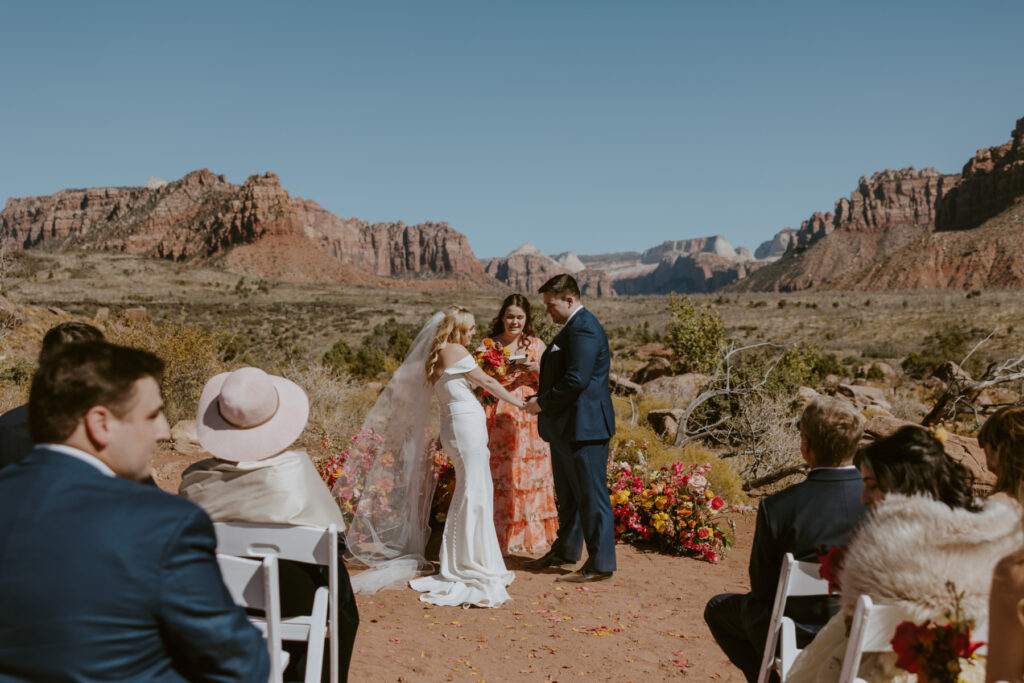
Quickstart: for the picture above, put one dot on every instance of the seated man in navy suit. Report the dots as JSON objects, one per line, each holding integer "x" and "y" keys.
{"x": 820, "y": 511}
{"x": 102, "y": 578}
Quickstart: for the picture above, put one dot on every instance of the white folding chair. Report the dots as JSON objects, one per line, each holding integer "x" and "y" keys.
{"x": 872, "y": 630}
{"x": 298, "y": 544}
{"x": 795, "y": 579}
{"x": 253, "y": 583}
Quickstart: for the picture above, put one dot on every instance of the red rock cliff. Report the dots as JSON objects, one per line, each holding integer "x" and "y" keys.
{"x": 993, "y": 181}
{"x": 203, "y": 216}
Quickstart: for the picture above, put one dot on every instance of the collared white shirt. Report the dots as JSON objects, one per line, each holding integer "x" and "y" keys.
{"x": 81, "y": 455}
{"x": 571, "y": 315}
{"x": 844, "y": 467}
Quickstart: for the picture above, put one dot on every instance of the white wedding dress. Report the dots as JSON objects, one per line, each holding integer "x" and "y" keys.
{"x": 472, "y": 569}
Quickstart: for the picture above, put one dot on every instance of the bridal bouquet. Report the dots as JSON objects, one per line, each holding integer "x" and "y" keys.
{"x": 672, "y": 509}
{"x": 494, "y": 360}
{"x": 934, "y": 651}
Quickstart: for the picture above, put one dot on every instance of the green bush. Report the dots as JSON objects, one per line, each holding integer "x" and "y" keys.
{"x": 950, "y": 344}
{"x": 695, "y": 334}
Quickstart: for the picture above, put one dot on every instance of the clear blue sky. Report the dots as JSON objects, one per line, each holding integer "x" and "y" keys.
{"x": 588, "y": 126}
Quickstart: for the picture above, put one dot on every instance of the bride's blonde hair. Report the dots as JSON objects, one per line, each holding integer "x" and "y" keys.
{"x": 455, "y": 326}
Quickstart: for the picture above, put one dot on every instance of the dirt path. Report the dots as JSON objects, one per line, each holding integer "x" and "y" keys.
{"x": 646, "y": 624}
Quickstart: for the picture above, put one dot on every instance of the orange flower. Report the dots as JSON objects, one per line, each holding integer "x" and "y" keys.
{"x": 488, "y": 343}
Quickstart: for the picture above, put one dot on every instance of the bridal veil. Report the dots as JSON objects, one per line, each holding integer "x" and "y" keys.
{"x": 386, "y": 483}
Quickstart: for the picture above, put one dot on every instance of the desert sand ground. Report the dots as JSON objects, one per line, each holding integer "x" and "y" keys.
{"x": 645, "y": 624}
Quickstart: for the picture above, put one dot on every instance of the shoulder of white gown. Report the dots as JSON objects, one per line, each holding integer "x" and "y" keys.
{"x": 463, "y": 365}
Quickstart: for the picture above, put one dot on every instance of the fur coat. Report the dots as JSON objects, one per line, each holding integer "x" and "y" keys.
{"x": 910, "y": 546}
{"x": 903, "y": 554}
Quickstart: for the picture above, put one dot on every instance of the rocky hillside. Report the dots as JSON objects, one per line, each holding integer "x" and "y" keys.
{"x": 527, "y": 268}
{"x": 256, "y": 227}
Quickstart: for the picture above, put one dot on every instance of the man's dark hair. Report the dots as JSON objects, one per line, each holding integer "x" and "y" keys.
{"x": 79, "y": 376}
{"x": 561, "y": 285}
{"x": 67, "y": 333}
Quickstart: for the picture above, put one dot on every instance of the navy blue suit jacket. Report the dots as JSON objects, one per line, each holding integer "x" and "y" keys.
{"x": 106, "y": 579}
{"x": 820, "y": 511}
{"x": 573, "y": 393}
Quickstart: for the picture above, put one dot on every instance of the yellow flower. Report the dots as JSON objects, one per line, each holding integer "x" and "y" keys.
{"x": 660, "y": 502}
{"x": 709, "y": 494}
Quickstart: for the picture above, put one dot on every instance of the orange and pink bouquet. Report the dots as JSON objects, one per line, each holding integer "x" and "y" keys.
{"x": 494, "y": 360}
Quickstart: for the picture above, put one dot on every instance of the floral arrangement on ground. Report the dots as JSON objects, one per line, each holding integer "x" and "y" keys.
{"x": 671, "y": 509}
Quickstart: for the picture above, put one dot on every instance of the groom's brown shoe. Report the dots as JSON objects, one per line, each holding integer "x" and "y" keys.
{"x": 584, "y": 576}
{"x": 545, "y": 561}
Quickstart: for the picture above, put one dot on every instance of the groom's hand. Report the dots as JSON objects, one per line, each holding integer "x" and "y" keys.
{"x": 532, "y": 406}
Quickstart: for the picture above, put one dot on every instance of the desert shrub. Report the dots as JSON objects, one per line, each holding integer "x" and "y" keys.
{"x": 875, "y": 372}
{"x": 949, "y": 344}
{"x": 192, "y": 355}
{"x": 381, "y": 351}
{"x": 15, "y": 379}
{"x": 695, "y": 333}
{"x": 329, "y": 395}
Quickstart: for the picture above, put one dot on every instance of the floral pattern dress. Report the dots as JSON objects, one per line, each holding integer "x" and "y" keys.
{"x": 524, "y": 500}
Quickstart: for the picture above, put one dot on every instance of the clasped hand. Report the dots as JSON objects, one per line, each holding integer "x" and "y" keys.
{"x": 532, "y": 406}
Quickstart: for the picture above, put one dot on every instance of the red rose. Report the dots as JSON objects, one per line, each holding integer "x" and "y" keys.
{"x": 717, "y": 503}
{"x": 903, "y": 643}
{"x": 831, "y": 565}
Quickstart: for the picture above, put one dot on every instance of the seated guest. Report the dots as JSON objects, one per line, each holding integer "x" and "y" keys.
{"x": 247, "y": 420}
{"x": 1002, "y": 437}
{"x": 820, "y": 511}
{"x": 926, "y": 528}
{"x": 103, "y": 578}
{"x": 15, "y": 443}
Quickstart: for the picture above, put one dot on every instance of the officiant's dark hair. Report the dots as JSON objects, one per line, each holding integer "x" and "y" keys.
{"x": 498, "y": 324}
{"x": 911, "y": 460}
{"x": 560, "y": 285}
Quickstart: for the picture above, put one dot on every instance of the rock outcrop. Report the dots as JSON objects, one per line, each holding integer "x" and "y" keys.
{"x": 203, "y": 217}
{"x": 777, "y": 246}
{"x": 527, "y": 268}
{"x": 992, "y": 182}
{"x": 701, "y": 272}
{"x": 886, "y": 213}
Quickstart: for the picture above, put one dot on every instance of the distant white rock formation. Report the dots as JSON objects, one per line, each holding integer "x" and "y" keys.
{"x": 155, "y": 183}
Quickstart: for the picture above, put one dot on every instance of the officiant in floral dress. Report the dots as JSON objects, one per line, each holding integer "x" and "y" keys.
{"x": 524, "y": 502}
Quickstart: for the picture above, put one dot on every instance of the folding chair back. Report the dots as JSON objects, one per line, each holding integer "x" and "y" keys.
{"x": 254, "y": 584}
{"x": 310, "y": 545}
{"x": 872, "y": 630}
{"x": 795, "y": 579}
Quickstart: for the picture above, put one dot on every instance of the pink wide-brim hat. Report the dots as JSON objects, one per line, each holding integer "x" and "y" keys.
{"x": 249, "y": 415}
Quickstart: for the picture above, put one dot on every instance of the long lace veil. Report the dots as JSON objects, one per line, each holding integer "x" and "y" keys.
{"x": 386, "y": 483}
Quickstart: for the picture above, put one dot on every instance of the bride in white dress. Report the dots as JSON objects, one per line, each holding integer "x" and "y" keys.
{"x": 386, "y": 489}
{"x": 472, "y": 569}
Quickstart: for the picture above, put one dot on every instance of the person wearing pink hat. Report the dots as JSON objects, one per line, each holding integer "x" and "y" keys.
{"x": 248, "y": 420}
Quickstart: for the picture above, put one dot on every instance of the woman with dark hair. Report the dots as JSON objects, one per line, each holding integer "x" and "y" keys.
{"x": 1002, "y": 437}
{"x": 524, "y": 503}
{"x": 926, "y": 528}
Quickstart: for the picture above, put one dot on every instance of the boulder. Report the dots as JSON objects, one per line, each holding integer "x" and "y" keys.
{"x": 863, "y": 396}
{"x": 950, "y": 372}
{"x": 622, "y": 386}
{"x": 665, "y": 422}
{"x": 654, "y": 350}
{"x": 877, "y": 370}
{"x": 806, "y": 395}
{"x": 137, "y": 315}
{"x": 962, "y": 449}
{"x": 683, "y": 388}
{"x": 655, "y": 368}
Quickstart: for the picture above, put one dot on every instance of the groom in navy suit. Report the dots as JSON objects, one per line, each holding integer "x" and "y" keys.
{"x": 102, "y": 578}
{"x": 575, "y": 416}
